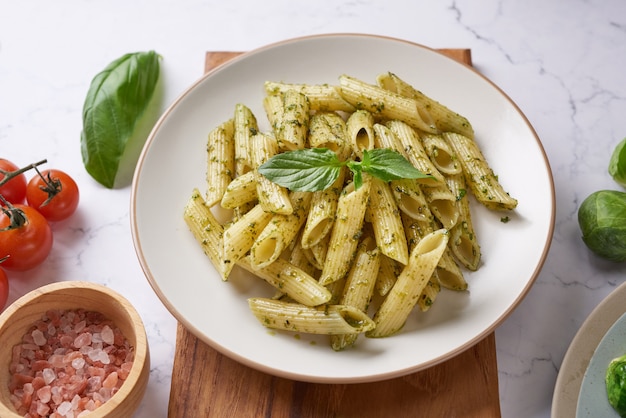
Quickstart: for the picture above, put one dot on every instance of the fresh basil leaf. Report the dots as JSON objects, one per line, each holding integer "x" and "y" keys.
{"x": 387, "y": 164}
{"x": 305, "y": 170}
{"x": 115, "y": 117}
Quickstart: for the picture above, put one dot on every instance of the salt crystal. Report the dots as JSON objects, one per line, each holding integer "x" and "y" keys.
{"x": 56, "y": 360}
{"x": 82, "y": 340}
{"x": 80, "y": 326}
{"x": 52, "y": 330}
{"x": 39, "y": 338}
{"x": 96, "y": 337}
{"x": 44, "y": 394}
{"x": 107, "y": 335}
{"x": 48, "y": 375}
{"x": 110, "y": 381}
{"x": 42, "y": 408}
{"x": 78, "y": 363}
{"x": 64, "y": 408}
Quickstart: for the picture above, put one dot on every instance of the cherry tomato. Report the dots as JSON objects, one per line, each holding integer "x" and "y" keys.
{"x": 13, "y": 190}
{"x": 25, "y": 237}
{"x": 4, "y": 289}
{"x": 54, "y": 194}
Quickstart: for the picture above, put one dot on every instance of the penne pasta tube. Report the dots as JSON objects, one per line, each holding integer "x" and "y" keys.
{"x": 328, "y": 130}
{"x": 290, "y": 280}
{"x": 386, "y": 222}
{"x": 298, "y": 257}
{"x": 360, "y": 131}
{"x": 240, "y": 236}
{"x": 245, "y": 125}
{"x": 294, "y": 123}
{"x": 359, "y": 286}
{"x": 205, "y": 228}
{"x": 387, "y": 274}
{"x": 412, "y": 149}
{"x": 220, "y": 161}
{"x": 322, "y": 97}
{"x": 441, "y": 154}
{"x": 322, "y": 211}
{"x": 240, "y": 191}
{"x": 442, "y": 204}
{"x": 280, "y": 231}
{"x": 445, "y": 119}
{"x": 479, "y": 176}
{"x": 382, "y": 103}
{"x": 410, "y": 198}
{"x": 403, "y": 296}
{"x": 273, "y": 106}
{"x": 346, "y": 232}
{"x": 272, "y": 197}
{"x": 448, "y": 272}
{"x": 328, "y": 319}
{"x": 317, "y": 253}
{"x": 463, "y": 242}
{"x": 430, "y": 293}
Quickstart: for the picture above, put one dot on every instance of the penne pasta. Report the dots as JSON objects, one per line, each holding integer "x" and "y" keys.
{"x": 445, "y": 119}
{"x": 412, "y": 149}
{"x": 360, "y": 131}
{"x": 440, "y": 153}
{"x": 205, "y": 228}
{"x": 328, "y": 130}
{"x": 289, "y": 280}
{"x": 442, "y": 204}
{"x": 403, "y": 296}
{"x": 240, "y": 236}
{"x": 280, "y": 231}
{"x": 240, "y": 191}
{"x": 245, "y": 125}
{"x": 328, "y": 319}
{"x": 359, "y": 286}
{"x": 382, "y": 103}
{"x": 220, "y": 151}
{"x": 386, "y": 223}
{"x": 463, "y": 241}
{"x": 273, "y": 106}
{"x": 479, "y": 176}
{"x": 293, "y": 125}
{"x": 272, "y": 197}
{"x": 322, "y": 97}
{"x": 346, "y": 232}
{"x": 322, "y": 212}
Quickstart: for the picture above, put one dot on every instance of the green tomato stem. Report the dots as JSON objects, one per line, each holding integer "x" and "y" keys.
{"x": 8, "y": 175}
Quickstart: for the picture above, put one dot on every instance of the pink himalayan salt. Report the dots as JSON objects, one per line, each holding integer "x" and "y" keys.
{"x": 68, "y": 364}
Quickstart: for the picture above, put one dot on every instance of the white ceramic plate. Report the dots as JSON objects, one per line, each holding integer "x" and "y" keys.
{"x": 173, "y": 163}
{"x": 579, "y": 389}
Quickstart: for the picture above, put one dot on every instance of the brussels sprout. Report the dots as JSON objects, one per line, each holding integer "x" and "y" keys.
{"x": 602, "y": 220}
{"x": 616, "y": 384}
{"x": 617, "y": 164}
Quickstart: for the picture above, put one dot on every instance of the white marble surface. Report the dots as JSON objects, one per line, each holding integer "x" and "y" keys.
{"x": 562, "y": 61}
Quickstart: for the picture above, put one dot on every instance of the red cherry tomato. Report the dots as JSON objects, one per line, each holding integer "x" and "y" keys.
{"x": 25, "y": 238}
{"x": 54, "y": 194}
{"x": 13, "y": 190}
{"x": 4, "y": 289}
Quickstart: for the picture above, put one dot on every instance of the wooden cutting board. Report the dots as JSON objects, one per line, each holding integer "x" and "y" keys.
{"x": 206, "y": 383}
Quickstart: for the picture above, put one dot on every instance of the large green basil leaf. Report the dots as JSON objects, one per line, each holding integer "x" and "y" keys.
{"x": 118, "y": 113}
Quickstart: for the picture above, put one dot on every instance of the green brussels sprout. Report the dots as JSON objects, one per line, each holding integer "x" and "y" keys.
{"x": 616, "y": 385}
{"x": 617, "y": 164}
{"x": 602, "y": 220}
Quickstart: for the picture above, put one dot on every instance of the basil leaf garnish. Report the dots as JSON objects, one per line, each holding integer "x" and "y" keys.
{"x": 118, "y": 114}
{"x": 305, "y": 170}
{"x": 314, "y": 169}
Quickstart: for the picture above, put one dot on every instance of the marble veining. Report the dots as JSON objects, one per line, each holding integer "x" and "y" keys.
{"x": 561, "y": 61}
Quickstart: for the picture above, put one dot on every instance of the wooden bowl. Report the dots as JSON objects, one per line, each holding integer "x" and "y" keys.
{"x": 24, "y": 312}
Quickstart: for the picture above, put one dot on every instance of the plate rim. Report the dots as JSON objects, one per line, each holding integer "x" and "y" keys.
{"x": 574, "y": 365}
{"x": 314, "y": 378}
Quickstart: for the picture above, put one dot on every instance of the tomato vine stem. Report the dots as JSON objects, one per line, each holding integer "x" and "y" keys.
{"x": 8, "y": 175}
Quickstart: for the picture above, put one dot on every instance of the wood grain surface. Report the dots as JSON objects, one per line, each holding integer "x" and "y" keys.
{"x": 206, "y": 383}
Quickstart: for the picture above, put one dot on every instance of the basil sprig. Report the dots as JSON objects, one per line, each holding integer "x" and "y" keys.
{"x": 313, "y": 169}
{"x": 118, "y": 114}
